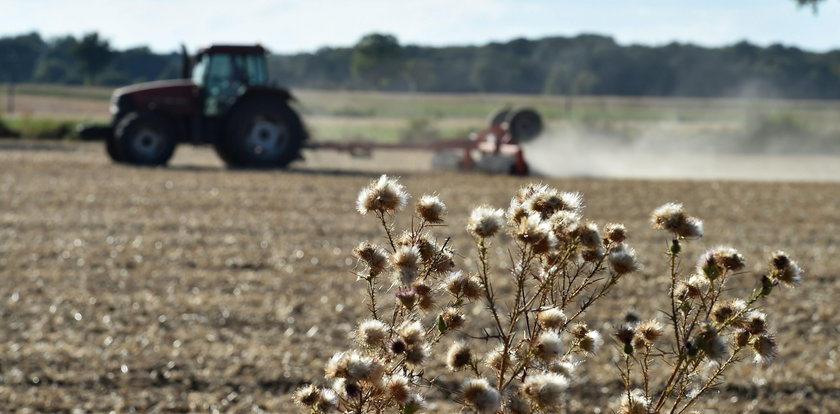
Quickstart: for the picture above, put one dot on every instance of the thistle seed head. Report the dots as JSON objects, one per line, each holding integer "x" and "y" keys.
{"x": 564, "y": 367}
{"x": 765, "y": 349}
{"x": 784, "y": 269}
{"x": 453, "y": 317}
{"x": 552, "y": 318}
{"x": 372, "y": 333}
{"x": 589, "y": 236}
{"x": 480, "y": 396}
{"x": 374, "y": 257}
{"x": 593, "y": 255}
{"x": 622, "y": 259}
{"x": 397, "y": 388}
{"x": 430, "y": 209}
{"x": 485, "y": 222}
{"x": 531, "y": 230}
{"x": 564, "y": 223}
{"x": 625, "y": 333}
{"x": 411, "y": 332}
{"x": 548, "y": 346}
{"x": 307, "y": 396}
{"x": 672, "y": 218}
{"x": 755, "y": 322}
{"x": 711, "y": 343}
{"x": 635, "y": 403}
{"x": 406, "y": 264}
{"x": 650, "y": 331}
{"x": 546, "y": 391}
{"x": 615, "y": 232}
{"x": 458, "y": 357}
{"x": 591, "y": 343}
{"x": 517, "y": 405}
{"x": 406, "y": 296}
{"x": 416, "y": 354}
{"x": 354, "y": 367}
{"x": 385, "y": 195}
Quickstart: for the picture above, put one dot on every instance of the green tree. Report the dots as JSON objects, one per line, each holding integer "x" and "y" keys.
{"x": 377, "y": 60}
{"x": 18, "y": 57}
{"x": 813, "y": 3}
{"x": 93, "y": 54}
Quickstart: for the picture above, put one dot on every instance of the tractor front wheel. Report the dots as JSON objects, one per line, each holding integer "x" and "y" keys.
{"x": 262, "y": 132}
{"x": 142, "y": 138}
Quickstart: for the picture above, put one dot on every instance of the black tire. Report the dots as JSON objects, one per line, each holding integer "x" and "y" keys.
{"x": 144, "y": 138}
{"x": 525, "y": 125}
{"x": 261, "y": 132}
{"x": 498, "y": 117}
{"x": 112, "y": 150}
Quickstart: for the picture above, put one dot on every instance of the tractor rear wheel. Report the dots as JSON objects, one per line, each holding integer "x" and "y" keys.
{"x": 261, "y": 132}
{"x": 143, "y": 138}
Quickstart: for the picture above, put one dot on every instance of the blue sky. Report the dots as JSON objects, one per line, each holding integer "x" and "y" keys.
{"x": 300, "y": 25}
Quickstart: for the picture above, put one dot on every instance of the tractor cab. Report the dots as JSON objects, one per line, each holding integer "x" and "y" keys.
{"x": 223, "y": 73}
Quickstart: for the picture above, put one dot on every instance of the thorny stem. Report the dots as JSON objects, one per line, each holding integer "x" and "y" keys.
{"x": 372, "y": 294}
{"x": 491, "y": 301}
{"x": 646, "y": 372}
{"x": 710, "y": 382}
{"x": 387, "y": 228}
{"x": 669, "y": 384}
{"x": 673, "y": 267}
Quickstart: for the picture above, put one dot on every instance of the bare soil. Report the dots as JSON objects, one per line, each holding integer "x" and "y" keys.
{"x": 194, "y": 288}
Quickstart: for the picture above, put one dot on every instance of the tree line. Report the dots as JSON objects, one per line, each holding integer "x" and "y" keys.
{"x": 584, "y": 64}
{"x": 89, "y": 59}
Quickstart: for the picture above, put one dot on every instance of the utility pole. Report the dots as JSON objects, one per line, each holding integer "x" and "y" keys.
{"x": 10, "y": 98}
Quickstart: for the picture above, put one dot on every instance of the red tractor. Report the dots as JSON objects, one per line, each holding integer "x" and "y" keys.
{"x": 224, "y": 99}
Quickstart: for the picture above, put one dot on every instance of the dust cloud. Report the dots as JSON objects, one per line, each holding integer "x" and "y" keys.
{"x": 664, "y": 153}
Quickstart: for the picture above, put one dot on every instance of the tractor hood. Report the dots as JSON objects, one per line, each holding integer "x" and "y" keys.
{"x": 176, "y": 96}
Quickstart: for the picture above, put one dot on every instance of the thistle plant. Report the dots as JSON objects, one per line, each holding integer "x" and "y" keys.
{"x": 560, "y": 265}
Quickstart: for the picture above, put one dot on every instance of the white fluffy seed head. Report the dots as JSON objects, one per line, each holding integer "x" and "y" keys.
{"x": 590, "y": 236}
{"x": 485, "y": 222}
{"x": 431, "y": 209}
{"x": 552, "y": 318}
{"x": 616, "y": 232}
{"x": 480, "y": 396}
{"x": 375, "y": 257}
{"x": 354, "y": 367}
{"x": 372, "y": 333}
{"x": 591, "y": 342}
{"x": 635, "y": 403}
{"x": 385, "y": 195}
{"x": 622, "y": 259}
{"x": 546, "y": 390}
{"x": 668, "y": 217}
{"x": 549, "y": 346}
{"x": 458, "y": 356}
{"x": 406, "y": 264}
{"x": 411, "y": 332}
{"x": 398, "y": 388}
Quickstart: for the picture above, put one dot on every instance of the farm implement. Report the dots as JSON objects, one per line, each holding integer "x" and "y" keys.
{"x": 224, "y": 99}
{"x": 494, "y": 149}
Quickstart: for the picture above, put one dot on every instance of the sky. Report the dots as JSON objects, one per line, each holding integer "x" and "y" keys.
{"x": 290, "y": 26}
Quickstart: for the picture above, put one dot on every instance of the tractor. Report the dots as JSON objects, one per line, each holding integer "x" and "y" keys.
{"x": 223, "y": 99}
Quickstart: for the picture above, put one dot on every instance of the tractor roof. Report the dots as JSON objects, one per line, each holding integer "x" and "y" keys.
{"x": 234, "y": 49}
